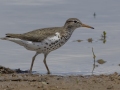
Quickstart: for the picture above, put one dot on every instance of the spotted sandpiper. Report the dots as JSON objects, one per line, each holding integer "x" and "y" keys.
{"x": 47, "y": 39}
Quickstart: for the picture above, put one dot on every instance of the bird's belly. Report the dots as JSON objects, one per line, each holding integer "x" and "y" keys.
{"x": 48, "y": 44}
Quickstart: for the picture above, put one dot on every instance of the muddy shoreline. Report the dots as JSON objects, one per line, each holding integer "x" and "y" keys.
{"x": 15, "y": 81}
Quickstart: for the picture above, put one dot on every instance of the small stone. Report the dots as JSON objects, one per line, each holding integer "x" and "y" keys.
{"x": 101, "y": 61}
{"x": 44, "y": 83}
{"x": 90, "y": 40}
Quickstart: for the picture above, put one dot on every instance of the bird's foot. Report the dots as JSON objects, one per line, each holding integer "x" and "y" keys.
{"x": 48, "y": 72}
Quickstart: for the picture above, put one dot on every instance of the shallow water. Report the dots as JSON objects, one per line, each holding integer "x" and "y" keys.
{"x": 74, "y": 57}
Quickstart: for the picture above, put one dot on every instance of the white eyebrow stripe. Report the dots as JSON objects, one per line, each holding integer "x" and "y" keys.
{"x": 74, "y": 20}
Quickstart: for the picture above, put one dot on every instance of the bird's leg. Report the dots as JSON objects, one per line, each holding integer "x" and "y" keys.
{"x": 33, "y": 59}
{"x": 48, "y": 71}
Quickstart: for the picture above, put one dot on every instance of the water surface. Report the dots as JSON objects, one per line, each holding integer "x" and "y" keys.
{"x": 74, "y": 57}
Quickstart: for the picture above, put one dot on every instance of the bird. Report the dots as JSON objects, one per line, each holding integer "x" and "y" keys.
{"x": 46, "y": 40}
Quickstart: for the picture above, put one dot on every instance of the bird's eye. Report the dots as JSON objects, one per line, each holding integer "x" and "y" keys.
{"x": 75, "y": 21}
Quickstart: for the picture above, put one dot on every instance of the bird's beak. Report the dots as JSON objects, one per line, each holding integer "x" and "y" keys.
{"x": 84, "y": 25}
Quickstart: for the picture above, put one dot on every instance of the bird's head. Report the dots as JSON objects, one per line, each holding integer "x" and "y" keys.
{"x": 74, "y": 23}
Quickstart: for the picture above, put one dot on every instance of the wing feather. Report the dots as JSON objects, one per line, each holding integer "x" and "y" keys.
{"x": 36, "y": 35}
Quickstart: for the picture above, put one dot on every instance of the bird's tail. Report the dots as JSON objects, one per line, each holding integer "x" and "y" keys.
{"x": 4, "y": 38}
{"x": 9, "y": 35}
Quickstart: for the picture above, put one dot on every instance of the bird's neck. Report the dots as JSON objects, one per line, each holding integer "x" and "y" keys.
{"x": 69, "y": 30}
{"x": 67, "y": 33}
